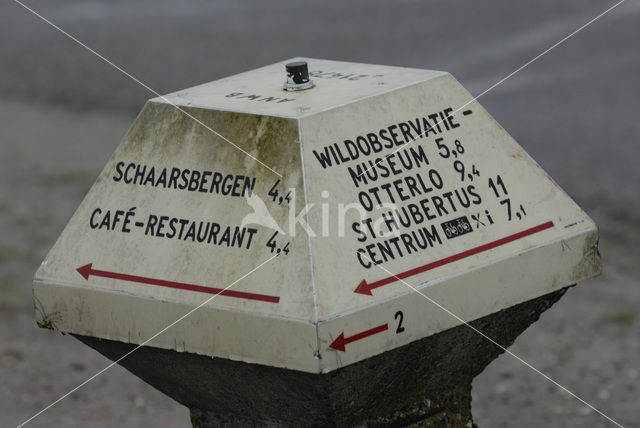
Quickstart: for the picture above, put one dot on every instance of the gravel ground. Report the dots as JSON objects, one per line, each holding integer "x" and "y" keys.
{"x": 62, "y": 113}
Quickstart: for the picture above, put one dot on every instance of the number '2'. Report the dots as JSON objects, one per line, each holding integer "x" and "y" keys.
{"x": 400, "y": 317}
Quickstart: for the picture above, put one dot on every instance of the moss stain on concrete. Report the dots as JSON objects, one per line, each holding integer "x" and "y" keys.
{"x": 591, "y": 263}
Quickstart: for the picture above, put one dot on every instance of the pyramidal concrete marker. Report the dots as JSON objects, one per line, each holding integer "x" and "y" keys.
{"x": 377, "y": 179}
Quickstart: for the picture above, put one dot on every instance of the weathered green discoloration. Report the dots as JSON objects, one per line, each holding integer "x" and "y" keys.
{"x": 46, "y": 322}
{"x": 272, "y": 141}
{"x": 43, "y": 320}
{"x": 451, "y": 410}
{"x": 591, "y": 263}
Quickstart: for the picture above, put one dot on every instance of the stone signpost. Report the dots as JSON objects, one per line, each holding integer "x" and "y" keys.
{"x": 310, "y": 255}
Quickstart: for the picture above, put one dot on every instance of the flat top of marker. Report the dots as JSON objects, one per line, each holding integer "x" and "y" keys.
{"x": 260, "y": 91}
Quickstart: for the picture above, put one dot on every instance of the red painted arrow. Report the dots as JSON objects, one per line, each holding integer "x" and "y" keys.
{"x": 365, "y": 288}
{"x": 341, "y": 341}
{"x": 87, "y": 271}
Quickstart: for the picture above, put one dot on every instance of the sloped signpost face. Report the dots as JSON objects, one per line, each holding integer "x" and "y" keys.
{"x": 406, "y": 183}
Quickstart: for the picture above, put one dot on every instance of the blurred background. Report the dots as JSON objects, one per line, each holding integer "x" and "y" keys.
{"x": 63, "y": 112}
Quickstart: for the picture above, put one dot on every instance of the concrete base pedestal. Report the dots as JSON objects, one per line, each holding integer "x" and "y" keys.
{"x": 426, "y": 383}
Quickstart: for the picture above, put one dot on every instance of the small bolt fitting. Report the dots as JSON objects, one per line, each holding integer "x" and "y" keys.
{"x": 297, "y": 76}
